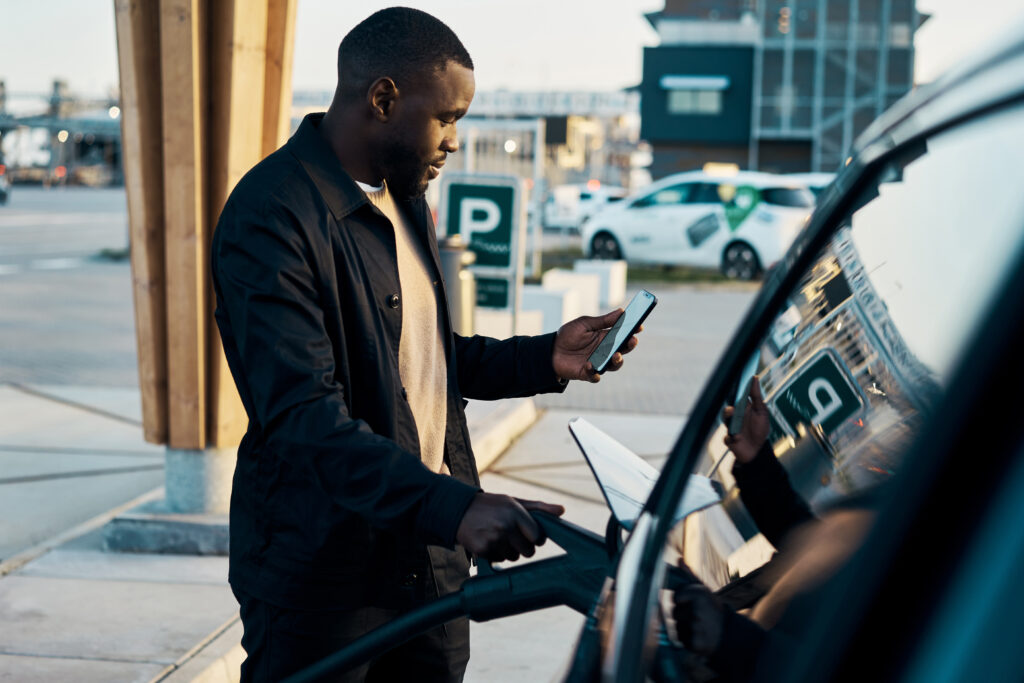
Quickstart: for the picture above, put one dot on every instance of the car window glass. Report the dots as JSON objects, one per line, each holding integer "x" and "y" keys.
{"x": 676, "y": 194}
{"x": 706, "y": 193}
{"x": 861, "y": 351}
{"x": 788, "y": 196}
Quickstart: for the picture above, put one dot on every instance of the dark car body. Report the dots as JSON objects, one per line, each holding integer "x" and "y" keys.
{"x": 890, "y": 344}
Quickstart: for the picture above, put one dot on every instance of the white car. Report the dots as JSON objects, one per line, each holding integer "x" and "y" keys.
{"x": 568, "y": 206}
{"x": 741, "y": 223}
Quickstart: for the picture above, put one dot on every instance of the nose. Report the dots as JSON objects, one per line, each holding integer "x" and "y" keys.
{"x": 450, "y": 143}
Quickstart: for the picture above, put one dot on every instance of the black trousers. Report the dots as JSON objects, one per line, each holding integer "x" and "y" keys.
{"x": 279, "y": 642}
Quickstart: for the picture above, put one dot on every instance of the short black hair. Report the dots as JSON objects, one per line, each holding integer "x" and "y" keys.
{"x": 400, "y": 43}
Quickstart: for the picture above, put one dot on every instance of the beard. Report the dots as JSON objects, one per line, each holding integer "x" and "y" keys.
{"x": 404, "y": 171}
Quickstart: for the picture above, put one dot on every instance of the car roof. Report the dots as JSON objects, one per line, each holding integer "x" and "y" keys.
{"x": 753, "y": 178}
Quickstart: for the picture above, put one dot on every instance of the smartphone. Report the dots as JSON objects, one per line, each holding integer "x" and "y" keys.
{"x": 745, "y": 384}
{"x": 624, "y": 328}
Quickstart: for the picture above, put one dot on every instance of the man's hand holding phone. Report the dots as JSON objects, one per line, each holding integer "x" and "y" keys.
{"x": 586, "y": 347}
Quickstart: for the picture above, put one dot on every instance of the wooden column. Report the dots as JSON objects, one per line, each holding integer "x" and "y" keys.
{"x": 138, "y": 51}
{"x": 277, "y": 98}
{"x": 206, "y": 93}
{"x": 184, "y": 85}
{"x": 238, "y": 52}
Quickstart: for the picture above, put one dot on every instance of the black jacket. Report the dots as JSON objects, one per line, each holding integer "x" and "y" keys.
{"x": 331, "y": 506}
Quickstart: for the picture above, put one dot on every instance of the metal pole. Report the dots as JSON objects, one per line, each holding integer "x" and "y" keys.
{"x": 460, "y": 285}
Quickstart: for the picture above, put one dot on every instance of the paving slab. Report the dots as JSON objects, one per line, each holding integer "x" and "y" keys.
{"x": 549, "y": 440}
{"x": 125, "y": 621}
{"x": 140, "y": 567}
{"x": 125, "y": 402}
{"x": 27, "y": 669}
{"x": 32, "y": 512}
{"x": 37, "y": 422}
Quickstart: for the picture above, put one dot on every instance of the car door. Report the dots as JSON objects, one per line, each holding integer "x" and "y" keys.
{"x": 705, "y": 233}
{"x": 650, "y": 225}
{"x": 872, "y": 352}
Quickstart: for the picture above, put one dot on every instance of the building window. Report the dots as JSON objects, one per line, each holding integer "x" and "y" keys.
{"x": 695, "y": 102}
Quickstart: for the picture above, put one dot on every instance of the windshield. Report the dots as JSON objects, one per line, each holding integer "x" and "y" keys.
{"x": 853, "y": 364}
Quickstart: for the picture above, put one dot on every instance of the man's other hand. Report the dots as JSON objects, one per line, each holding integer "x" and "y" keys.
{"x": 756, "y": 426}
{"x": 497, "y": 527}
{"x": 578, "y": 338}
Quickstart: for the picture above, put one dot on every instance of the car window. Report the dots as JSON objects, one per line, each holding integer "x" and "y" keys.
{"x": 675, "y": 194}
{"x": 708, "y": 193}
{"x": 585, "y": 195}
{"x": 857, "y": 358}
{"x": 788, "y": 196}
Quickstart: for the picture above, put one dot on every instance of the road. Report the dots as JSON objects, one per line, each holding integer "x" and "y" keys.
{"x": 57, "y": 228}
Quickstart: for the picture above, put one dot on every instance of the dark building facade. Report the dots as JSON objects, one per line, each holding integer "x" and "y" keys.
{"x": 773, "y": 85}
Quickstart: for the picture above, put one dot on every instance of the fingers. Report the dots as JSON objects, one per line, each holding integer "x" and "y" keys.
{"x": 550, "y": 508}
{"x": 615, "y": 363}
{"x": 607, "y": 320}
{"x": 755, "y": 394}
{"x": 630, "y": 344}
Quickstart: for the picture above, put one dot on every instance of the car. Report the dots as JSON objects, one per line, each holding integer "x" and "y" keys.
{"x": 740, "y": 222}
{"x": 569, "y": 206}
{"x": 887, "y": 347}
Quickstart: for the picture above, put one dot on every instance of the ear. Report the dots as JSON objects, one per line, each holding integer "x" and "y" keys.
{"x": 381, "y": 96}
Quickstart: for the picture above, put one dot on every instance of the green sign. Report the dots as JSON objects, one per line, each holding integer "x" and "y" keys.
{"x": 484, "y": 216}
{"x": 492, "y": 292}
{"x": 823, "y": 392}
{"x": 741, "y": 205}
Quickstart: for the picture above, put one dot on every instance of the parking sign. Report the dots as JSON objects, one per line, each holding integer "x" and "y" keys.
{"x": 486, "y": 211}
{"x": 821, "y": 392}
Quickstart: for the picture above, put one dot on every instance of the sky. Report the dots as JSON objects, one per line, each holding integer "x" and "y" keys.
{"x": 515, "y": 44}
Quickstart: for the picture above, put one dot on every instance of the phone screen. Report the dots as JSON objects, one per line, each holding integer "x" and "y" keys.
{"x": 623, "y": 329}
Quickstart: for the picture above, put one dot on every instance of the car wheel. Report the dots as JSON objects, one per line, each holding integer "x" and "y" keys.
{"x": 604, "y": 246}
{"x": 740, "y": 262}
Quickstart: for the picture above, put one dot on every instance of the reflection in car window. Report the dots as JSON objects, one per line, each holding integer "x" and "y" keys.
{"x": 788, "y": 196}
{"x": 865, "y": 344}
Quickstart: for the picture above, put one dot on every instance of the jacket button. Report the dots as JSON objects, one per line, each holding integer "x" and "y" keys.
{"x": 409, "y": 579}
{"x": 393, "y": 301}
{"x": 405, "y": 394}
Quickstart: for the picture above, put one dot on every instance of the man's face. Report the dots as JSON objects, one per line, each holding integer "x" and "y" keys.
{"x": 421, "y": 132}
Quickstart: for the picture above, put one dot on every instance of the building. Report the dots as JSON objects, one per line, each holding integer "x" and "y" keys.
{"x": 772, "y": 85}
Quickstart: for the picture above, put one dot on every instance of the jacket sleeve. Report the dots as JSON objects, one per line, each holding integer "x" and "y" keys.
{"x": 769, "y": 497}
{"x": 268, "y": 308}
{"x": 491, "y": 369}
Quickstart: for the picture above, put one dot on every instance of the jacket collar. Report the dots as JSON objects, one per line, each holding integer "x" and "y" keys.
{"x": 335, "y": 185}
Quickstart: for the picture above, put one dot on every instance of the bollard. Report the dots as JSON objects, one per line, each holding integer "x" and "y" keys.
{"x": 459, "y": 283}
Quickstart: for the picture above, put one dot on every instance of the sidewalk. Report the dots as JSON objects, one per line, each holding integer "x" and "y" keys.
{"x": 69, "y": 610}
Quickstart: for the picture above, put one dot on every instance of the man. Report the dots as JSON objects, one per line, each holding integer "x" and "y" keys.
{"x": 355, "y": 484}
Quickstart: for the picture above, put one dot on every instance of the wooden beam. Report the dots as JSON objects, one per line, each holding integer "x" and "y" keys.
{"x": 238, "y": 49}
{"x": 183, "y": 74}
{"x": 277, "y": 105}
{"x": 138, "y": 50}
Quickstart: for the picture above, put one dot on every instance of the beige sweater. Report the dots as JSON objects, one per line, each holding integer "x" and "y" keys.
{"x": 421, "y": 361}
